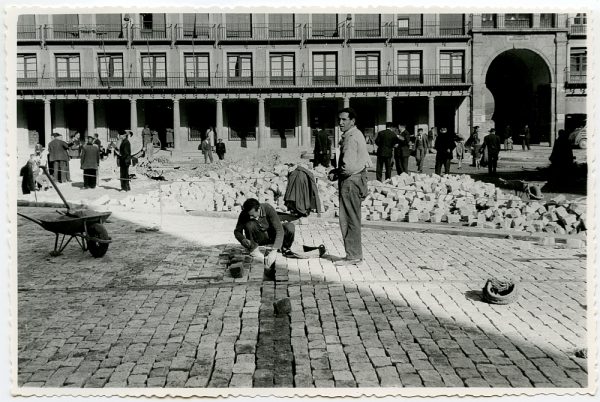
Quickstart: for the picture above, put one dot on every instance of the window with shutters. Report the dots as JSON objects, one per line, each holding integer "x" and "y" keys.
{"x": 324, "y": 25}
{"x": 325, "y": 67}
{"x": 196, "y": 26}
{"x": 26, "y": 69}
{"x": 578, "y": 65}
{"x": 452, "y": 67}
{"x": 409, "y": 24}
{"x": 239, "y": 25}
{"x": 367, "y": 25}
{"x": 65, "y": 26}
{"x": 239, "y": 68}
{"x": 153, "y": 26}
{"x": 367, "y": 67}
{"x": 281, "y": 26}
{"x": 26, "y": 28}
{"x": 452, "y": 24}
{"x": 282, "y": 68}
{"x": 409, "y": 67}
{"x": 488, "y": 20}
{"x": 109, "y": 26}
{"x": 68, "y": 70}
{"x": 154, "y": 69}
{"x": 518, "y": 20}
{"x": 110, "y": 68}
{"x": 547, "y": 20}
{"x": 197, "y": 69}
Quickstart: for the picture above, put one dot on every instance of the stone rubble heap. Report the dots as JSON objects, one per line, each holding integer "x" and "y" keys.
{"x": 412, "y": 198}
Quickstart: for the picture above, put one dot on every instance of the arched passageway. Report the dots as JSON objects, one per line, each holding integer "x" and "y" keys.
{"x": 519, "y": 80}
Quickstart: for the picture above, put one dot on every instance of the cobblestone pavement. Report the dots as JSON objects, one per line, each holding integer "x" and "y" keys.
{"x": 161, "y": 310}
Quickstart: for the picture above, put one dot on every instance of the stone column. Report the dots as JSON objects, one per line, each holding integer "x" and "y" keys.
{"x": 261, "y": 123}
{"x": 304, "y": 129}
{"x": 389, "y": 115}
{"x": 553, "y": 114}
{"x": 431, "y": 113}
{"x": 47, "y": 122}
{"x": 219, "y": 118}
{"x": 176, "y": 125}
{"x": 91, "y": 127}
{"x": 133, "y": 123}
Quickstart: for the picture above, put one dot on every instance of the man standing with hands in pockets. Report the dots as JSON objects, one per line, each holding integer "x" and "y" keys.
{"x": 352, "y": 172}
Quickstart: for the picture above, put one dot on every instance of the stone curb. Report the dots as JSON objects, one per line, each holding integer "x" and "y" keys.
{"x": 544, "y": 238}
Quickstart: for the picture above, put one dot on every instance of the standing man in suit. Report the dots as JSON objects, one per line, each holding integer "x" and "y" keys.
{"x": 444, "y": 145}
{"x": 90, "y": 159}
{"x": 402, "y": 150}
{"x": 421, "y": 148}
{"x": 124, "y": 159}
{"x": 322, "y": 151}
{"x": 385, "y": 141}
{"x": 492, "y": 142}
{"x": 58, "y": 156}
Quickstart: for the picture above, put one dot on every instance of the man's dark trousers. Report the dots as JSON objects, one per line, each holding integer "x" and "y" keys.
{"x": 381, "y": 162}
{"x": 401, "y": 162}
{"x": 352, "y": 189}
{"x": 492, "y": 162}
{"x": 60, "y": 171}
{"x": 260, "y": 237}
{"x": 124, "y": 168}
{"x": 89, "y": 178}
{"x": 440, "y": 161}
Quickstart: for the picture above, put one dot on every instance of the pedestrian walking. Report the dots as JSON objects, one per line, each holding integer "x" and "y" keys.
{"x": 474, "y": 143}
{"x": 211, "y": 135}
{"x": 385, "y": 141}
{"x": 491, "y": 144}
{"x": 421, "y": 144}
{"x": 402, "y": 150}
{"x": 124, "y": 160}
{"x": 147, "y": 144}
{"x": 58, "y": 156}
{"x": 220, "y": 149}
{"x": 525, "y": 138}
{"x": 206, "y": 150}
{"x": 444, "y": 146}
{"x": 431, "y": 137}
{"x": 460, "y": 148}
{"x": 352, "y": 171}
{"x": 90, "y": 159}
{"x": 322, "y": 150}
{"x": 27, "y": 172}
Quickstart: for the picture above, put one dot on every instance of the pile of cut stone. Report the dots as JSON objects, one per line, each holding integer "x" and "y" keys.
{"x": 408, "y": 197}
{"x": 454, "y": 199}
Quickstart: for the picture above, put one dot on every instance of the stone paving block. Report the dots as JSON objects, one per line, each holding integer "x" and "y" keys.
{"x": 241, "y": 381}
{"x": 197, "y": 382}
{"x": 156, "y": 382}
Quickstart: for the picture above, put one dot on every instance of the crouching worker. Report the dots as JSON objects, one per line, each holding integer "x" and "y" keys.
{"x": 259, "y": 225}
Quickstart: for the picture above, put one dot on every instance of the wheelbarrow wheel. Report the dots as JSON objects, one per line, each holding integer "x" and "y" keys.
{"x": 98, "y": 231}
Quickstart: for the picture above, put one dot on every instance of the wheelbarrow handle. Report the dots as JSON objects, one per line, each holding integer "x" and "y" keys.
{"x": 31, "y": 219}
{"x": 45, "y": 170}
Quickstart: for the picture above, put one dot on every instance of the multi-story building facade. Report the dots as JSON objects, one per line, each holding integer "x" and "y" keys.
{"x": 265, "y": 80}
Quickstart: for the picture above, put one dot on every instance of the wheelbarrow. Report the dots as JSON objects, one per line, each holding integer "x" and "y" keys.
{"x": 85, "y": 226}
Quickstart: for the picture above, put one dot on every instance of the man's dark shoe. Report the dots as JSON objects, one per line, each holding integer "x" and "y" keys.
{"x": 346, "y": 261}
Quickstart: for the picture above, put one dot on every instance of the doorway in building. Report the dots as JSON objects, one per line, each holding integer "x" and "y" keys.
{"x": 241, "y": 118}
{"x": 158, "y": 114}
{"x": 117, "y": 118}
{"x": 199, "y": 116}
{"x": 519, "y": 80}
{"x": 34, "y": 116}
{"x": 323, "y": 114}
{"x": 366, "y": 116}
{"x": 75, "y": 113}
{"x": 283, "y": 123}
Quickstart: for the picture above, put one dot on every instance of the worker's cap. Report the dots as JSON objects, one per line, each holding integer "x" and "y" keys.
{"x": 56, "y": 135}
{"x": 492, "y": 130}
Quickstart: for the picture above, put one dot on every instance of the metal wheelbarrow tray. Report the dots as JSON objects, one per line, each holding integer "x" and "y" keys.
{"x": 86, "y": 226}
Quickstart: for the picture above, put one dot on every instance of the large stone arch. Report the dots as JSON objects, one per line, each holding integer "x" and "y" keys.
{"x": 518, "y": 83}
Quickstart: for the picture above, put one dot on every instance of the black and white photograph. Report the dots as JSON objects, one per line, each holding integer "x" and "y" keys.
{"x": 313, "y": 202}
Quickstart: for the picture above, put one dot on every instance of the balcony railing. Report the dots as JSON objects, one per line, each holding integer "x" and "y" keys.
{"x": 28, "y": 32}
{"x": 263, "y": 80}
{"x": 500, "y": 22}
{"x": 577, "y": 26}
{"x": 156, "y": 32}
{"x": 273, "y": 31}
{"x": 576, "y": 77}
{"x": 85, "y": 32}
{"x": 195, "y": 32}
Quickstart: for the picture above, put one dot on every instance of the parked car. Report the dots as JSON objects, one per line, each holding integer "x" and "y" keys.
{"x": 579, "y": 137}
